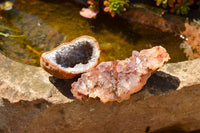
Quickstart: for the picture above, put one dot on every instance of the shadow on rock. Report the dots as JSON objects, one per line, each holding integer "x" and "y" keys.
{"x": 63, "y": 85}
{"x": 161, "y": 82}
{"x": 157, "y": 84}
{"x": 173, "y": 129}
{"x": 16, "y": 116}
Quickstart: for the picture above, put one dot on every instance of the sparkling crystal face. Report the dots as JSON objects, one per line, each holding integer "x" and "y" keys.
{"x": 74, "y": 54}
{"x": 117, "y": 80}
{"x": 77, "y": 56}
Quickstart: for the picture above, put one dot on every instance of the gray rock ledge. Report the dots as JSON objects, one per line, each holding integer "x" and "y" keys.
{"x": 32, "y": 101}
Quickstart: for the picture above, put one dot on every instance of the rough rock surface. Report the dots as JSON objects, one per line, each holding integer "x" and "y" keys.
{"x": 117, "y": 80}
{"x": 30, "y": 103}
{"x": 169, "y": 23}
{"x": 188, "y": 72}
{"x": 25, "y": 92}
{"x": 24, "y": 82}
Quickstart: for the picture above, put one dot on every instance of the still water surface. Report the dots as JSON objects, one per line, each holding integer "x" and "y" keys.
{"x": 47, "y": 24}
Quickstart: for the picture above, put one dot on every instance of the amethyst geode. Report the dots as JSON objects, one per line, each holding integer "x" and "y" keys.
{"x": 117, "y": 80}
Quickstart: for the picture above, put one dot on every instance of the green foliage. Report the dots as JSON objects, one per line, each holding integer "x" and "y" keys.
{"x": 9, "y": 35}
{"x": 182, "y": 8}
{"x": 115, "y": 6}
{"x": 177, "y": 6}
{"x": 94, "y": 5}
{"x": 3, "y": 28}
{"x": 118, "y": 5}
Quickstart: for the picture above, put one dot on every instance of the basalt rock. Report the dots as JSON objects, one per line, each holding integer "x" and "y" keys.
{"x": 70, "y": 59}
{"x": 116, "y": 81}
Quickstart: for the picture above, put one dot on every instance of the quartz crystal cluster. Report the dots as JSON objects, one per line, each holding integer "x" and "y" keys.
{"x": 117, "y": 80}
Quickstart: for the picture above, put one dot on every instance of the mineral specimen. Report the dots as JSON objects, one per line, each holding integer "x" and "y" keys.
{"x": 70, "y": 59}
{"x": 116, "y": 81}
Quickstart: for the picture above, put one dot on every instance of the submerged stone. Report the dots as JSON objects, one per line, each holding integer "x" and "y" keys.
{"x": 73, "y": 58}
{"x": 117, "y": 80}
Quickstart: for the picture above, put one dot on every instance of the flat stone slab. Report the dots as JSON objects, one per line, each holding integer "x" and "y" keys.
{"x": 33, "y": 101}
{"x": 24, "y": 82}
{"x": 188, "y": 72}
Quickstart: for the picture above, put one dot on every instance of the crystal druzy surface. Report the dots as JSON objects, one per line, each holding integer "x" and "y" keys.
{"x": 117, "y": 80}
{"x": 71, "y": 59}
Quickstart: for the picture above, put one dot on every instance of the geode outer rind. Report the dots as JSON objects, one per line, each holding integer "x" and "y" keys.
{"x": 117, "y": 80}
{"x": 53, "y": 67}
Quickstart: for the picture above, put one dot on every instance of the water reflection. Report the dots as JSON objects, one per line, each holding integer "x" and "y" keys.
{"x": 47, "y": 24}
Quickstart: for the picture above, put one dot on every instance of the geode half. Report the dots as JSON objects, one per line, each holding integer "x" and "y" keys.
{"x": 117, "y": 80}
{"x": 73, "y": 58}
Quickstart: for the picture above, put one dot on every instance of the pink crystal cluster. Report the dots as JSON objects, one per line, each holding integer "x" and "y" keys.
{"x": 117, "y": 80}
